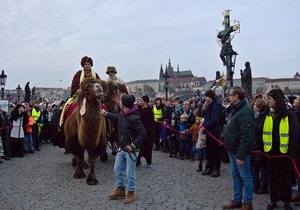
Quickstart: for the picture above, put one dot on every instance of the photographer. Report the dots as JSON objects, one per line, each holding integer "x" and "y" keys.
{"x": 131, "y": 135}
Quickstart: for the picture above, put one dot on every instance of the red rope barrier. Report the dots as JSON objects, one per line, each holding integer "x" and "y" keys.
{"x": 257, "y": 151}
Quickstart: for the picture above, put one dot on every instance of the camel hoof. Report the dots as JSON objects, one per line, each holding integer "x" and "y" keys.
{"x": 85, "y": 165}
{"x": 104, "y": 157}
{"x": 74, "y": 163}
{"x": 92, "y": 181}
{"x": 79, "y": 175}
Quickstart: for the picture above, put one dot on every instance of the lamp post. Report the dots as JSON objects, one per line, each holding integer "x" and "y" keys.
{"x": 166, "y": 76}
{"x": 18, "y": 92}
{"x": 3, "y": 78}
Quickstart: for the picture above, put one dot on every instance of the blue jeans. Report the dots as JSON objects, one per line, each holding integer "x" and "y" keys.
{"x": 28, "y": 142}
{"x": 125, "y": 165}
{"x": 242, "y": 178}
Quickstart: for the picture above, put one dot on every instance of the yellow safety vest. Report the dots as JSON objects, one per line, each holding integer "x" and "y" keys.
{"x": 283, "y": 134}
{"x": 35, "y": 114}
{"x": 157, "y": 113}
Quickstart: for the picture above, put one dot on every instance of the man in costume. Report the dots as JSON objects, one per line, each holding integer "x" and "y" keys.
{"x": 86, "y": 63}
{"x": 112, "y": 71}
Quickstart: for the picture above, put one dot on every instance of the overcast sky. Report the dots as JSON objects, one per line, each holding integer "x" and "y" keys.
{"x": 42, "y": 41}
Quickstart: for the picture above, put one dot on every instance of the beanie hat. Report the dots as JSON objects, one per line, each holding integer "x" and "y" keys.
{"x": 111, "y": 69}
{"x": 86, "y": 59}
{"x": 210, "y": 93}
{"x": 128, "y": 100}
{"x": 146, "y": 98}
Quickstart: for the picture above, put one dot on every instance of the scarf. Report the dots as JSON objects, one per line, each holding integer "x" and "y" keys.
{"x": 82, "y": 76}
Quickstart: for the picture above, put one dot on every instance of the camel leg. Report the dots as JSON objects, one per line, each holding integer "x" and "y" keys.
{"x": 78, "y": 169}
{"x": 91, "y": 179}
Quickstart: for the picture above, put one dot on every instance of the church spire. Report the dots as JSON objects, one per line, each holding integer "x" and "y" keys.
{"x": 161, "y": 72}
{"x": 177, "y": 67}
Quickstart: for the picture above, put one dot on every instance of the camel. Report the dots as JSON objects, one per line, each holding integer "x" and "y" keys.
{"x": 112, "y": 103}
{"x": 85, "y": 129}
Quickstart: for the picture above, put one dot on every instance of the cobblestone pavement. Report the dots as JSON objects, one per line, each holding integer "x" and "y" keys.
{"x": 44, "y": 180}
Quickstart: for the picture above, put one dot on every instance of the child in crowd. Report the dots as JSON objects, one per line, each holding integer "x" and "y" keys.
{"x": 164, "y": 135}
{"x": 194, "y": 130}
{"x": 201, "y": 145}
{"x": 183, "y": 137}
{"x": 28, "y": 142}
{"x": 173, "y": 140}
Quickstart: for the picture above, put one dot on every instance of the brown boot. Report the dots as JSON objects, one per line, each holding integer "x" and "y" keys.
{"x": 129, "y": 197}
{"x": 118, "y": 193}
{"x": 233, "y": 205}
{"x": 246, "y": 206}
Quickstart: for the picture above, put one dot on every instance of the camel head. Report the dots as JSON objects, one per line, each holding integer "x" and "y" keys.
{"x": 91, "y": 88}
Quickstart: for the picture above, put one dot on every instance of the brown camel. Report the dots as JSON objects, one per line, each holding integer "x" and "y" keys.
{"x": 112, "y": 103}
{"x": 85, "y": 129}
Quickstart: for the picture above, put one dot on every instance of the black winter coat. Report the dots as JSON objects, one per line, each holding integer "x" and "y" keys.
{"x": 130, "y": 127}
{"x": 239, "y": 132}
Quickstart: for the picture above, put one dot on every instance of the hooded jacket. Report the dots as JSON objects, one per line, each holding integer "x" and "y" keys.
{"x": 130, "y": 127}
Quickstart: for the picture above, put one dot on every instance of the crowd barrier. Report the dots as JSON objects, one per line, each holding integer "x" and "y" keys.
{"x": 256, "y": 151}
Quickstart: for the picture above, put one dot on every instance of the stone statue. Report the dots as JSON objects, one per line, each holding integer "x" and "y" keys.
{"x": 33, "y": 93}
{"x": 246, "y": 79}
{"x": 27, "y": 92}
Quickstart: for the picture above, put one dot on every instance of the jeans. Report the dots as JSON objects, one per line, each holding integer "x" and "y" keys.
{"x": 184, "y": 148}
{"x": 28, "y": 143}
{"x": 242, "y": 178}
{"x": 126, "y": 162}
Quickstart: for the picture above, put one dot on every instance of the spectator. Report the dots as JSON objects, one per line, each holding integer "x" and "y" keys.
{"x": 239, "y": 135}
{"x": 159, "y": 113}
{"x": 184, "y": 138}
{"x": 19, "y": 120}
{"x": 280, "y": 137}
{"x": 4, "y": 132}
{"x": 212, "y": 124}
{"x": 173, "y": 140}
{"x": 259, "y": 161}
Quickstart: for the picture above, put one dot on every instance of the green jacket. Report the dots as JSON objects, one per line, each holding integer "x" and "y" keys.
{"x": 239, "y": 132}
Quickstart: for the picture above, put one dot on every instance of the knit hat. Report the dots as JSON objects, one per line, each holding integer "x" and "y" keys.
{"x": 210, "y": 93}
{"x": 86, "y": 59}
{"x": 145, "y": 98}
{"x": 128, "y": 100}
{"x": 111, "y": 69}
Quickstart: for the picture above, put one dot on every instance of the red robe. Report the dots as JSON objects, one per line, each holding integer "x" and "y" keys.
{"x": 147, "y": 117}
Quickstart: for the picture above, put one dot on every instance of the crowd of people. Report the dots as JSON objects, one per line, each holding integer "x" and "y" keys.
{"x": 260, "y": 138}
{"x": 26, "y": 126}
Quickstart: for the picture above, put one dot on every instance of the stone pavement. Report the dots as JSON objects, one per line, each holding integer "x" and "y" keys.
{"x": 44, "y": 180}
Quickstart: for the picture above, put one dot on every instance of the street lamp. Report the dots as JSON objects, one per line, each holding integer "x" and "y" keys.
{"x": 18, "y": 92}
{"x": 2, "y": 82}
{"x": 166, "y": 76}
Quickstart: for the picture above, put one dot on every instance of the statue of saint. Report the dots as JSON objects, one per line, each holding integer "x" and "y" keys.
{"x": 33, "y": 93}
{"x": 246, "y": 79}
{"x": 27, "y": 92}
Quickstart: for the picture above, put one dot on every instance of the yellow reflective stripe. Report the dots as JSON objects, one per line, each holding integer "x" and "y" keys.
{"x": 284, "y": 135}
{"x": 267, "y": 133}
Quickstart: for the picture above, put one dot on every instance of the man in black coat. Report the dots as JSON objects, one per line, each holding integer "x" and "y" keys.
{"x": 131, "y": 135}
